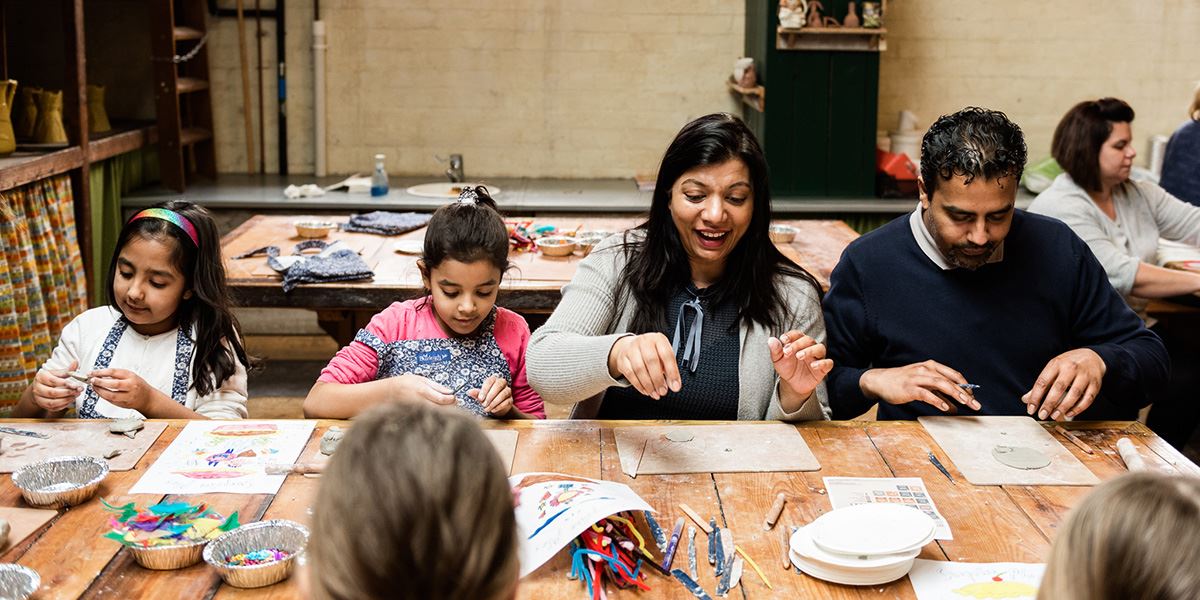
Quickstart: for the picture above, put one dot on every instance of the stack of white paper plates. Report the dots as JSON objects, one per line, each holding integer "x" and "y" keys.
{"x": 867, "y": 544}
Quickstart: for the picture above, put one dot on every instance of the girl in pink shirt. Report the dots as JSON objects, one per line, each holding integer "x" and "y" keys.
{"x": 454, "y": 346}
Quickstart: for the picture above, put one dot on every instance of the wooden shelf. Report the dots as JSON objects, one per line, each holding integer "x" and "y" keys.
{"x": 124, "y": 139}
{"x": 20, "y": 168}
{"x": 754, "y": 97}
{"x": 187, "y": 85}
{"x": 841, "y": 39}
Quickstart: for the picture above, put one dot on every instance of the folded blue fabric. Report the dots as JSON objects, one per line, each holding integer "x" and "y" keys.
{"x": 334, "y": 263}
{"x": 386, "y": 223}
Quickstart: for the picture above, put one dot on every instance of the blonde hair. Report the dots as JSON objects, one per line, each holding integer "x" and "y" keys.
{"x": 1194, "y": 109}
{"x": 414, "y": 504}
{"x": 1135, "y": 537}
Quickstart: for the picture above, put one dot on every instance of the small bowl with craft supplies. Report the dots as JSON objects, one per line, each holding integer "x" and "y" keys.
{"x": 584, "y": 244}
{"x": 18, "y": 582}
{"x": 168, "y": 535}
{"x": 314, "y": 229}
{"x": 783, "y": 234}
{"x": 258, "y": 554}
{"x": 61, "y": 481}
{"x": 556, "y": 245}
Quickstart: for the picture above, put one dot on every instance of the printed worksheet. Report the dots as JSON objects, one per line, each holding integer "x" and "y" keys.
{"x": 849, "y": 491}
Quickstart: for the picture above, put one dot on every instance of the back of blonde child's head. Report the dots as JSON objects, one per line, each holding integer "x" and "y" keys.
{"x": 1135, "y": 537}
{"x": 466, "y": 230}
{"x": 415, "y": 503}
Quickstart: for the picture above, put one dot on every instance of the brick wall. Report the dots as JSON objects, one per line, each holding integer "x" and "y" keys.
{"x": 521, "y": 88}
{"x": 1035, "y": 59}
{"x": 572, "y": 88}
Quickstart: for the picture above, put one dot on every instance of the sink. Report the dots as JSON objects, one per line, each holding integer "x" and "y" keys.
{"x": 447, "y": 190}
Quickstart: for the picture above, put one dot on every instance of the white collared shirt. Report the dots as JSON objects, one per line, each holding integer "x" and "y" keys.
{"x": 925, "y": 242}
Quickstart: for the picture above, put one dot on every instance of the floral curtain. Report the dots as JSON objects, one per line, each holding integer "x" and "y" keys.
{"x": 42, "y": 285}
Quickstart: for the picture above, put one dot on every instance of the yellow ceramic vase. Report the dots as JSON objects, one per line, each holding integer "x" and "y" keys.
{"x": 97, "y": 116}
{"x": 8, "y": 139}
{"x": 25, "y": 116}
{"x": 49, "y": 129}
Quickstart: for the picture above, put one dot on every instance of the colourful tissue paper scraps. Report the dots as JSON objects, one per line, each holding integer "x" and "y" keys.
{"x": 166, "y": 524}
{"x": 257, "y": 557}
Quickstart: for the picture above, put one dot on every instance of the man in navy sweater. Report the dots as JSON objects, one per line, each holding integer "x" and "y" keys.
{"x": 969, "y": 291}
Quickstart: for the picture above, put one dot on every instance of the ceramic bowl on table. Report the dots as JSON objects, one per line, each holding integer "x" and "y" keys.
{"x": 556, "y": 245}
{"x": 166, "y": 558}
{"x": 314, "y": 229}
{"x": 18, "y": 582}
{"x": 281, "y": 534}
{"x": 61, "y": 481}
{"x": 783, "y": 234}
{"x": 585, "y": 243}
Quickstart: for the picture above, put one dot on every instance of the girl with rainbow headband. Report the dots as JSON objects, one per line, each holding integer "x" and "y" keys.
{"x": 167, "y": 346}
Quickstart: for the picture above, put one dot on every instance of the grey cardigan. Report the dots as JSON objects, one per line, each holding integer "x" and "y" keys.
{"x": 567, "y": 358}
{"x": 1145, "y": 212}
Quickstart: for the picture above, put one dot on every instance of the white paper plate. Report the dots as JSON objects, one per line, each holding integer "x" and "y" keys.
{"x": 871, "y": 529}
{"x": 410, "y": 246}
{"x": 851, "y": 576}
{"x": 802, "y": 544}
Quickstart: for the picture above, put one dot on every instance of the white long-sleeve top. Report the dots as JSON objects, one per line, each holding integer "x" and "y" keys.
{"x": 151, "y": 357}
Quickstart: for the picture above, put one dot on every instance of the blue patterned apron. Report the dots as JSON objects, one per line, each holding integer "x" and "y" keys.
{"x": 461, "y": 364}
{"x": 179, "y": 385}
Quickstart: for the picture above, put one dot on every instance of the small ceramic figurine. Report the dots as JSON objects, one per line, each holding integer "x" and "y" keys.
{"x": 851, "y": 19}
{"x": 744, "y": 74}
{"x": 791, "y": 13}
{"x": 814, "y": 13}
{"x": 872, "y": 18}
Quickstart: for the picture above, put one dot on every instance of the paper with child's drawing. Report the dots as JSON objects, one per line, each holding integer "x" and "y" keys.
{"x": 553, "y": 509}
{"x": 940, "y": 580}
{"x": 225, "y": 456}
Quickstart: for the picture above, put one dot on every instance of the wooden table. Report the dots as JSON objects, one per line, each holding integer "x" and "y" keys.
{"x": 990, "y": 523}
{"x": 533, "y": 285}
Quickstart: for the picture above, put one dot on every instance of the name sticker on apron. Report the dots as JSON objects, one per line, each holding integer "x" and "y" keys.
{"x": 433, "y": 356}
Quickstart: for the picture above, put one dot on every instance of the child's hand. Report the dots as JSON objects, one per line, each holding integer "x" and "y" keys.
{"x": 411, "y": 387}
{"x": 125, "y": 389}
{"x": 495, "y": 396}
{"x": 53, "y": 390}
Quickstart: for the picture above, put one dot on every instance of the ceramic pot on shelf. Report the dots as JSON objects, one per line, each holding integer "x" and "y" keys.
{"x": 851, "y": 19}
{"x": 49, "y": 129}
{"x": 8, "y": 139}
{"x": 24, "y": 118}
{"x": 97, "y": 116}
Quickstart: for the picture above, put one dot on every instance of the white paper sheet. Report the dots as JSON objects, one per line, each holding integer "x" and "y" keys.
{"x": 225, "y": 456}
{"x": 940, "y": 580}
{"x": 554, "y": 508}
{"x": 849, "y": 491}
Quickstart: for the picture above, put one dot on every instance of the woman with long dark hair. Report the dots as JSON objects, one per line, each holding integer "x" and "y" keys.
{"x": 694, "y": 314}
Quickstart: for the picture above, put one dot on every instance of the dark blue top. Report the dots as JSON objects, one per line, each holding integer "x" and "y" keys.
{"x": 1181, "y": 164}
{"x": 889, "y": 305}
{"x": 710, "y": 393}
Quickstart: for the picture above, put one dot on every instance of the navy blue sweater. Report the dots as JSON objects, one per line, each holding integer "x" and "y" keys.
{"x": 889, "y": 305}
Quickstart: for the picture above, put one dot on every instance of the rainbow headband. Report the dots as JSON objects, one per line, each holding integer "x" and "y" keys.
{"x": 172, "y": 217}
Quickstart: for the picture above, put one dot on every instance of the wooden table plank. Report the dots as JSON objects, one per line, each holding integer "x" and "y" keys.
{"x": 987, "y": 525}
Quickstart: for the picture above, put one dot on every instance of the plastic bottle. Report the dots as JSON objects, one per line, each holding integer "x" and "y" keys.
{"x": 379, "y": 179}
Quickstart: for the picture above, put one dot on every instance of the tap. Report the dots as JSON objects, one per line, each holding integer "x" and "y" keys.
{"x": 455, "y": 172}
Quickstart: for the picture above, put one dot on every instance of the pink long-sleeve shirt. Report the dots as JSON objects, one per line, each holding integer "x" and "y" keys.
{"x": 415, "y": 320}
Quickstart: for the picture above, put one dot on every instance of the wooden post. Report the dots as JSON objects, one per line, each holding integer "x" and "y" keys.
{"x": 75, "y": 119}
{"x": 242, "y": 54}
